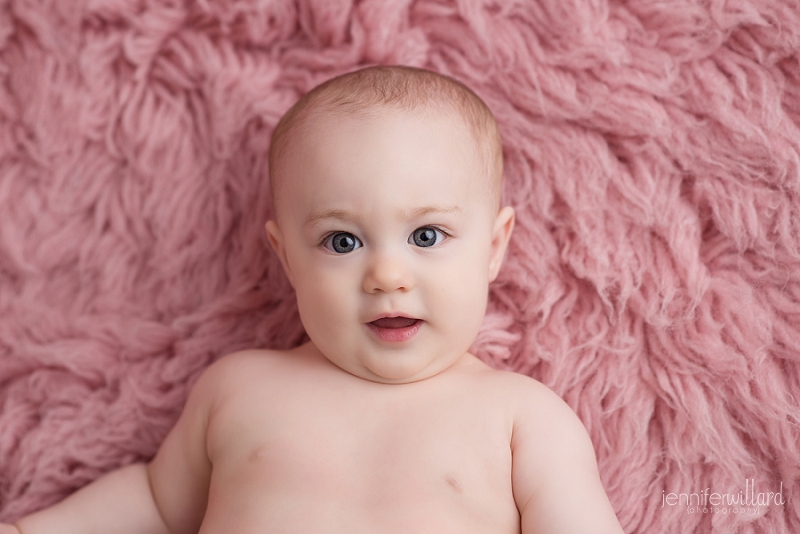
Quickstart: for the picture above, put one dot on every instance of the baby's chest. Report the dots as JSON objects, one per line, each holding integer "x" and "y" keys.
{"x": 369, "y": 453}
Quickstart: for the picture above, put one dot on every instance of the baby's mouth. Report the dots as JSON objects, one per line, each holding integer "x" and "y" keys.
{"x": 395, "y": 329}
{"x": 394, "y": 322}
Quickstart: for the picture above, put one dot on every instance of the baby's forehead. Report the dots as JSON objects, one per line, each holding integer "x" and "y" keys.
{"x": 322, "y": 123}
{"x": 370, "y": 155}
{"x": 325, "y": 124}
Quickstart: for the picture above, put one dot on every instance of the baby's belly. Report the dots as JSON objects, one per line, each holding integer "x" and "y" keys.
{"x": 307, "y": 495}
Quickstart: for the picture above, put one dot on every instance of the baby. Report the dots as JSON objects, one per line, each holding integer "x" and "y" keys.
{"x": 386, "y": 184}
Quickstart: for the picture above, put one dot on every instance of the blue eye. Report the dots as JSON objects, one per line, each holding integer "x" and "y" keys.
{"x": 427, "y": 236}
{"x": 342, "y": 242}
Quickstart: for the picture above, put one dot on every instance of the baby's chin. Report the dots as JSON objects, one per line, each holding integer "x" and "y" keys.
{"x": 394, "y": 368}
{"x": 390, "y": 374}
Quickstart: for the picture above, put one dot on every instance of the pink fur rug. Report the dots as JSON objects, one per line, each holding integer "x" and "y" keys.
{"x": 652, "y": 154}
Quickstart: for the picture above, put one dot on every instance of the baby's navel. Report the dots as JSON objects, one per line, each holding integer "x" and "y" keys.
{"x": 454, "y": 483}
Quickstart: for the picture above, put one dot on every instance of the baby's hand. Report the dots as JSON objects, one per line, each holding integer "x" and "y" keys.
{"x": 8, "y": 529}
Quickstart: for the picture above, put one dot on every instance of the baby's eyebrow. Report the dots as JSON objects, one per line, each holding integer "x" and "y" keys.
{"x": 427, "y": 210}
{"x": 346, "y": 216}
{"x": 341, "y": 215}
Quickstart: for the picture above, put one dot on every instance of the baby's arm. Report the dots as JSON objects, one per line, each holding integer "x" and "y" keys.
{"x": 166, "y": 496}
{"x": 117, "y": 502}
{"x": 555, "y": 479}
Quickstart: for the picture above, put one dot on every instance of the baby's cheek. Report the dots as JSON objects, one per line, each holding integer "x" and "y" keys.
{"x": 326, "y": 304}
{"x": 463, "y": 294}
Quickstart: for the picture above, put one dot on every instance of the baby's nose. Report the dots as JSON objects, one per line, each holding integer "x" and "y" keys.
{"x": 387, "y": 273}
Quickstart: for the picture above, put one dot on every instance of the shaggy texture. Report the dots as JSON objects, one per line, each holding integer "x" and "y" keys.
{"x": 653, "y": 280}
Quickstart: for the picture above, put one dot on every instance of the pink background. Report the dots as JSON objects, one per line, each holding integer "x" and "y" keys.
{"x": 652, "y": 155}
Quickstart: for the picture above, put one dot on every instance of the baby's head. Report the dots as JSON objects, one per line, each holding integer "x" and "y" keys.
{"x": 386, "y": 185}
{"x": 373, "y": 91}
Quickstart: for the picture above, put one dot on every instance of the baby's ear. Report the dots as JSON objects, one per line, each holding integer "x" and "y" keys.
{"x": 501, "y": 233}
{"x": 275, "y": 237}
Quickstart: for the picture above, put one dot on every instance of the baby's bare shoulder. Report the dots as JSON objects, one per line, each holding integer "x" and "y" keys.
{"x": 526, "y": 396}
{"x": 237, "y": 371}
{"x": 542, "y": 422}
{"x": 529, "y": 404}
{"x": 536, "y": 408}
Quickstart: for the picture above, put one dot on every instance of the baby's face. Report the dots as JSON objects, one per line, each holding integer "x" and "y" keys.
{"x": 387, "y": 231}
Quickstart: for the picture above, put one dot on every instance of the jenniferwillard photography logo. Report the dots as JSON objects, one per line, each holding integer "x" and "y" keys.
{"x": 748, "y": 501}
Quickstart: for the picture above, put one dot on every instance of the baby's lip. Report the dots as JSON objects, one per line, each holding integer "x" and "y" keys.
{"x": 393, "y": 320}
{"x": 394, "y": 329}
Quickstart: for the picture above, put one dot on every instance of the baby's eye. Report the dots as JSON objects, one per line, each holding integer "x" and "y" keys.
{"x": 342, "y": 242}
{"x": 427, "y": 236}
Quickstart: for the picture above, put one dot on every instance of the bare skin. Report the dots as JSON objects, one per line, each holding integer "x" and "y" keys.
{"x": 430, "y": 456}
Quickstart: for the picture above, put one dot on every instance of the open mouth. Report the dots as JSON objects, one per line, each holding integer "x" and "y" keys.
{"x": 394, "y": 322}
{"x": 395, "y": 329}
